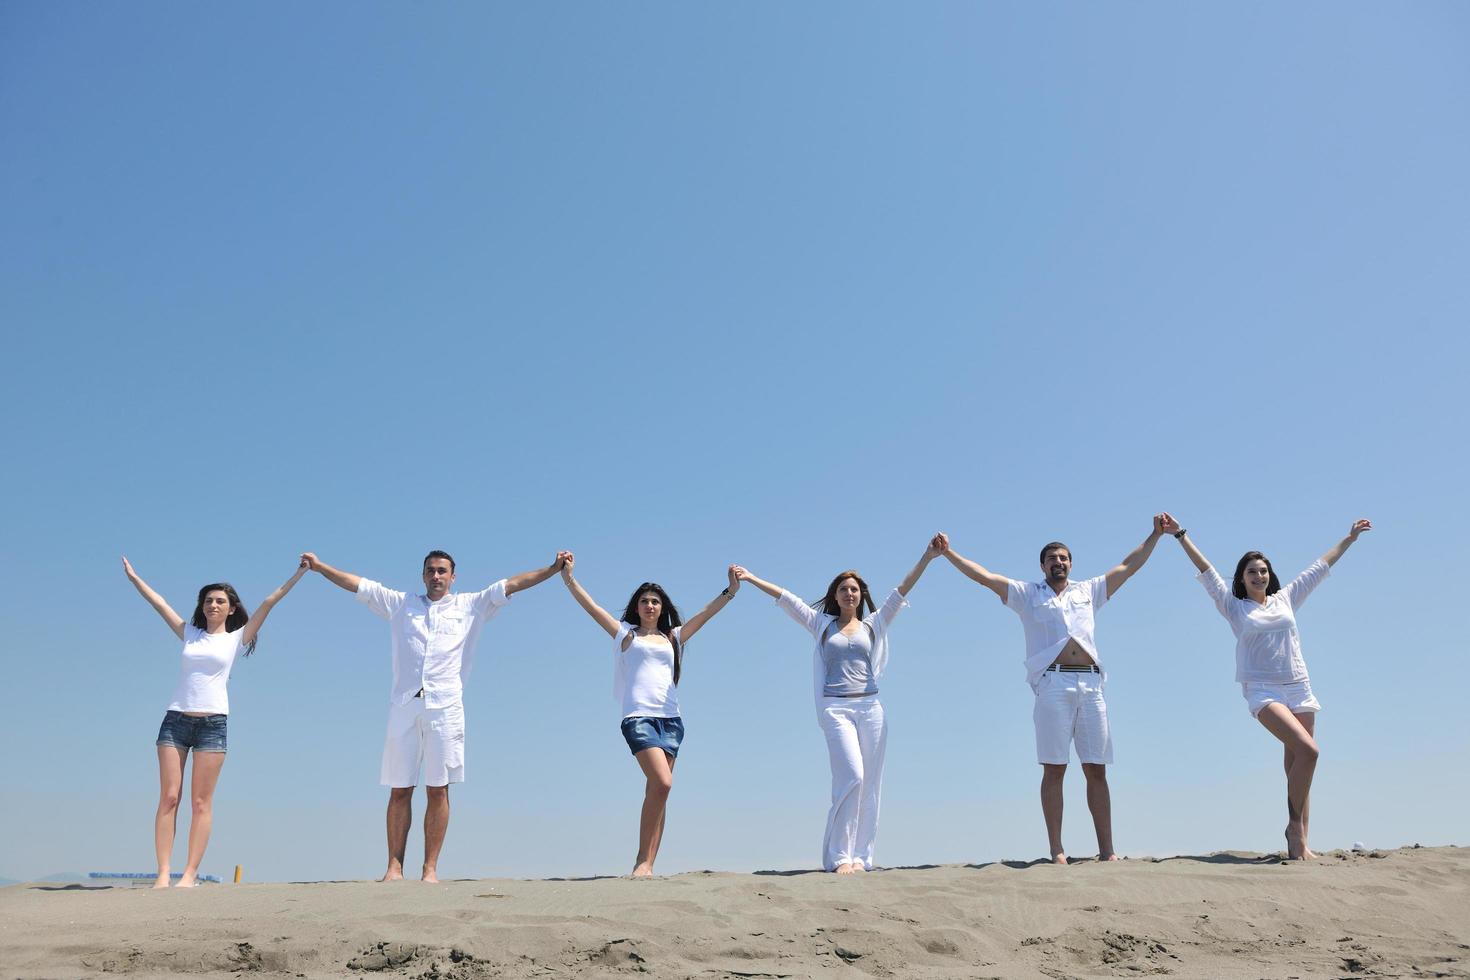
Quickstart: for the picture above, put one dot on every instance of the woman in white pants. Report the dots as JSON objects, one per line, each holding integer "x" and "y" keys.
{"x": 1268, "y": 660}
{"x": 851, "y": 653}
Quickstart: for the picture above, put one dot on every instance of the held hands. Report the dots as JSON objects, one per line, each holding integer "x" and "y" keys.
{"x": 562, "y": 558}
{"x": 310, "y": 561}
{"x": 734, "y": 572}
{"x": 938, "y": 545}
{"x": 1359, "y": 526}
{"x": 565, "y": 560}
{"x": 1166, "y": 524}
{"x": 1159, "y": 530}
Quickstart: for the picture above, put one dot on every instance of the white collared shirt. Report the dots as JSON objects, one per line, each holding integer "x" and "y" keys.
{"x": 816, "y": 623}
{"x": 1051, "y": 618}
{"x": 433, "y": 642}
{"x": 1267, "y": 647}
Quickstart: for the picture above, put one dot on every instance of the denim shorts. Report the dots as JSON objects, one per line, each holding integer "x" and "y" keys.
{"x": 641, "y": 733}
{"x": 202, "y": 733}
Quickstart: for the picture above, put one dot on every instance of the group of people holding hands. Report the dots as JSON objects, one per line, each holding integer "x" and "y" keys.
{"x": 434, "y": 634}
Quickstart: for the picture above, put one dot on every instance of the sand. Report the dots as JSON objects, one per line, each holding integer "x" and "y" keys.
{"x": 1387, "y": 913}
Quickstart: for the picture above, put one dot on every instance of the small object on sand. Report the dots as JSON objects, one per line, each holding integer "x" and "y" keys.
{"x": 1359, "y": 846}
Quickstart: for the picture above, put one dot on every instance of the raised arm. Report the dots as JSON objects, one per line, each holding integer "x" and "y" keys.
{"x": 257, "y": 619}
{"x": 341, "y": 579}
{"x": 719, "y": 602}
{"x": 604, "y": 618}
{"x": 936, "y": 547}
{"x": 174, "y": 620}
{"x": 523, "y": 581}
{"x": 1359, "y": 526}
{"x": 1136, "y": 558}
{"x": 744, "y": 575}
{"x": 1171, "y": 527}
{"x": 998, "y": 584}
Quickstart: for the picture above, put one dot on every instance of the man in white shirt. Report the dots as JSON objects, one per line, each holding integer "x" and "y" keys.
{"x": 1066, "y": 674}
{"x": 434, "y": 637}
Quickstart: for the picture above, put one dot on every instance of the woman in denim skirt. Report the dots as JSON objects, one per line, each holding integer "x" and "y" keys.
{"x": 648, "y": 654}
{"x": 196, "y": 718}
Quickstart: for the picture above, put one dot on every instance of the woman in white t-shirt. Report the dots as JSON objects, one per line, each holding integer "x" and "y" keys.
{"x": 850, "y": 656}
{"x": 1268, "y": 660}
{"x": 648, "y": 655}
{"x": 196, "y": 717}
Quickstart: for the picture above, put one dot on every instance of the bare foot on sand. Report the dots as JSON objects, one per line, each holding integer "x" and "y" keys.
{"x": 431, "y": 876}
{"x": 186, "y": 880}
{"x": 847, "y": 869}
{"x": 392, "y": 874}
{"x": 162, "y": 880}
{"x": 1296, "y": 845}
{"x": 1108, "y": 857}
{"x": 1059, "y": 858}
{"x": 642, "y": 871}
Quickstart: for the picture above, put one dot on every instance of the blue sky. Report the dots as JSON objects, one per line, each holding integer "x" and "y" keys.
{"x": 679, "y": 285}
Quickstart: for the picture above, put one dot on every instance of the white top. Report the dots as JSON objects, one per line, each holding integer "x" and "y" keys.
{"x": 643, "y": 674}
{"x": 1051, "y": 618}
{"x": 205, "y": 672}
{"x": 433, "y": 642}
{"x": 1266, "y": 644}
{"x": 816, "y": 623}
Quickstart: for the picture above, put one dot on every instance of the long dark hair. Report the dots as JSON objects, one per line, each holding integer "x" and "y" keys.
{"x": 1238, "y": 586}
{"x": 865, "y": 598}
{"x": 237, "y": 618}
{"x": 668, "y": 618}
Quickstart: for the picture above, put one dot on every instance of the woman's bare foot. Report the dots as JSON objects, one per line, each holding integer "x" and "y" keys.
{"x": 1059, "y": 858}
{"x": 1108, "y": 857}
{"x": 644, "y": 870}
{"x": 1296, "y": 845}
{"x": 431, "y": 876}
{"x": 186, "y": 880}
{"x": 392, "y": 874}
{"x": 162, "y": 880}
{"x": 847, "y": 868}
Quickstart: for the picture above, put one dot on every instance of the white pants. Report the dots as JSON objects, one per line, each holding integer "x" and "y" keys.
{"x": 421, "y": 737}
{"x": 1070, "y": 709}
{"x": 857, "y": 737}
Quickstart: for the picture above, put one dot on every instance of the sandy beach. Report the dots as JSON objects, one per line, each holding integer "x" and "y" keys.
{"x": 1384, "y": 913}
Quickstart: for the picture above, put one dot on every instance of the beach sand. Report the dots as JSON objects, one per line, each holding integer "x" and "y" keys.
{"x": 1385, "y": 913}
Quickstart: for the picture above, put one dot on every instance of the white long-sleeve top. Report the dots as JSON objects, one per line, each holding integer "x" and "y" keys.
{"x": 816, "y": 623}
{"x": 1267, "y": 647}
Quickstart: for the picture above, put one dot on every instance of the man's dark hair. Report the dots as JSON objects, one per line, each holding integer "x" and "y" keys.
{"x": 1052, "y": 546}
{"x": 440, "y": 554}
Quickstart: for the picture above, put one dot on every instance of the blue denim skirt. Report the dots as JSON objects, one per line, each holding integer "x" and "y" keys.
{"x": 202, "y": 733}
{"x": 641, "y": 733}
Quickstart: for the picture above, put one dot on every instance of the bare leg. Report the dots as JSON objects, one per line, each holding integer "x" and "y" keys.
{"x": 400, "y": 818}
{"x": 1051, "y": 808}
{"x": 436, "y": 822}
{"x": 165, "y": 820}
{"x": 201, "y": 792}
{"x": 1302, "y": 748}
{"x": 658, "y": 768}
{"x": 1308, "y": 721}
{"x": 1100, "y": 802}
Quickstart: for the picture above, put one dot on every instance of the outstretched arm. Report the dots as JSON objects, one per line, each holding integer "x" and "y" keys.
{"x": 715, "y": 605}
{"x": 1171, "y": 527}
{"x": 604, "y": 618}
{"x": 998, "y": 584}
{"x": 523, "y": 581}
{"x": 743, "y": 575}
{"x": 936, "y": 547}
{"x": 174, "y": 620}
{"x": 1136, "y": 558}
{"x": 1359, "y": 526}
{"x": 341, "y": 579}
{"x": 257, "y": 619}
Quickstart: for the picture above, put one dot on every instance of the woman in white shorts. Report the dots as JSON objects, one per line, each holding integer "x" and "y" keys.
{"x": 1268, "y": 660}
{"x": 851, "y": 652}
{"x": 196, "y": 717}
{"x": 648, "y": 657}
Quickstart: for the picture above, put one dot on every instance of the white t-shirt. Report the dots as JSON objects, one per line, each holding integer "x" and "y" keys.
{"x": 643, "y": 674}
{"x": 1267, "y": 647}
{"x": 205, "y": 671}
{"x": 433, "y": 642}
{"x": 1051, "y": 618}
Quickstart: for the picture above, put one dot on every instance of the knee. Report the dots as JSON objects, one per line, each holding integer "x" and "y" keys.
{"x": 438, "y": 795}
{"x": 1052, "y": 776}
{"x": 168, "y": 802}
{"x": 202, "y": 805}
{"x": 1096, "y": 775}
{"x": 400, "y": 795}
{"x": 660, "y": 785}
{"x": 1307, "y": 751}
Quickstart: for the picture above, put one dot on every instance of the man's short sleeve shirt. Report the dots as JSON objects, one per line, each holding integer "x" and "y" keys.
{"x": 1051, "y": 618}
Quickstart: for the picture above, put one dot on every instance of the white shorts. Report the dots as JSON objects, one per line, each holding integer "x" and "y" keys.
{"x": 427, "y": 738}
{"x": 1296, "y": 695}
{"x": 1070, "y": 708}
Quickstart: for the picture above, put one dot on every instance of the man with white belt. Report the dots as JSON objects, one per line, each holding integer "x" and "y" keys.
{"x": 434, "y": 638}
{"x": 1066, "y": 674}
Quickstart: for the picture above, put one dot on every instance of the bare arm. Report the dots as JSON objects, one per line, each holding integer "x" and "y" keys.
{"x": 937, "y": 545}
{"x": 523, "y": 581}
{"x": 341, "y": 579}
{"x": 174, "y": 620}
{"x": 744, "y": 575}
{"x": 715, "y": 605}
{"x": 998, "y": 584}
{"x": 1170, "y": 526}
{"x": 257, "y": 619}
{"x": 1359, "y": 526}
{"x": 1136, "y": 558}
{"x": 604, "y": 618}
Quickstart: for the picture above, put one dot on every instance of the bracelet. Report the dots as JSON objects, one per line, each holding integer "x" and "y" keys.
{"x": 727, "y": 593}
{"x": 1179, "y": 534}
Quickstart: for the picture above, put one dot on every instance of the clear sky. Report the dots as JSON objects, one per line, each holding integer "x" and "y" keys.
{"x": 679, "y": 285}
